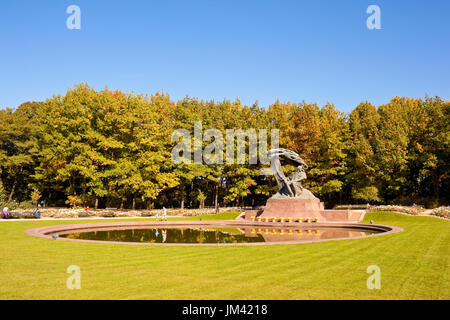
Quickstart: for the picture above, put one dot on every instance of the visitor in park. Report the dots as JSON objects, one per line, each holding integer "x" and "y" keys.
{"x": 5, "y": 213}
{"x": 36, "y": 213}
{"x": 164, "y": 213}
{"x": 157, "y": 216}
{"x": 87, "y": 209}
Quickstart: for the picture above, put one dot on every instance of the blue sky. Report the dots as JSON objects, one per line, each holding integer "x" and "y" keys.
{"x": 316, "y": 51}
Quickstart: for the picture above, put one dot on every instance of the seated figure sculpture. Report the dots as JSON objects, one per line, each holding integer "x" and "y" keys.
{"x": 291, "y": 186}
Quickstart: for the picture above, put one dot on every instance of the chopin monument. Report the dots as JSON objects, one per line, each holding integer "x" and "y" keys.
{"x": 290, "y": 187}
{"x": 292, "y": 200}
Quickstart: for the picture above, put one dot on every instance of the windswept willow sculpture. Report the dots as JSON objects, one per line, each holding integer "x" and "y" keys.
{"x": 291, "y": 186}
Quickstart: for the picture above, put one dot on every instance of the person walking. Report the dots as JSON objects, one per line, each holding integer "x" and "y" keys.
{"x": 164, "y": 213}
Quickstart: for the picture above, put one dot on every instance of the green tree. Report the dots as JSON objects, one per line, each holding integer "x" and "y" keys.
{"x": 363, "y": 176}
{"x": 329, "y": 165}
{"x": 18, "y": 148}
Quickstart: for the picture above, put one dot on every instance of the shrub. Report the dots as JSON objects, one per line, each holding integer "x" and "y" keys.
{"x": 59, "y": 213}
{"x": 25, "y": 205}
{"x": 35, "y": 196}
{"x": 108, "y": 214}
{"x": 85, "y": 214}
{"x": 441, "y": 212}
{"x": 147, "y": 214}
{"x": 74, "y": 201}
{"x": 22, "y": 215}
{"x": 12, "y": 205}
{"x": 201, "y": 197}
{"x": 369, "y": 193}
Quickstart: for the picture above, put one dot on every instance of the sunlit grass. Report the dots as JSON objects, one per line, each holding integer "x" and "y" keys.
{"x": 414, "y": 265}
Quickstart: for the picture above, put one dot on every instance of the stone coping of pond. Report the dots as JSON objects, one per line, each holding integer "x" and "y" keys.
{"x": 87, "y": 218}
{"x": 49, "y": 231}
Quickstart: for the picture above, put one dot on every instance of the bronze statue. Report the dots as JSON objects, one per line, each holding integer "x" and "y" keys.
{"x": 291, "y": 186}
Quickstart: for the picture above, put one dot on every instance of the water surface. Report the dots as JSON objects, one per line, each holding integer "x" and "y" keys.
{"x": 216, "y": 234}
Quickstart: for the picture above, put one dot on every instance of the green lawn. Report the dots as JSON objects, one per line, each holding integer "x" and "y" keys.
{"x": 414, "y": 265}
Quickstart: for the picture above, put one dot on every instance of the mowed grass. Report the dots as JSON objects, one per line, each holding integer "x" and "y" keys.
{"x": 414, "y": 265}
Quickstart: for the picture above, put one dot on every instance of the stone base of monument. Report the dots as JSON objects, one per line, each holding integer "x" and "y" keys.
{"x": 304, "y": 208}
{"x": 293, "y": 208}
{"x": 342, "y": 215}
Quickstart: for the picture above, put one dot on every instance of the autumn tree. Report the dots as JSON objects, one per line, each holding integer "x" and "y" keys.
{"x": 18, "y": 148}
{"x": 363, "y": 174}
{"x": 110, "y": 148}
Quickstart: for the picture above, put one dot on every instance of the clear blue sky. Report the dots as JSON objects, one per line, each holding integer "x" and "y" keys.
{"x": 316, "y": 51}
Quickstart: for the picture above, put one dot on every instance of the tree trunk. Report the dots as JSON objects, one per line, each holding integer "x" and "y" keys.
{"x": 191, "y": 194}
{"x": 12, "y": 189}
{"x": 182, "y": 197}
{"x": 134, "y": 202}
{"x": 216, "y": 196}
{"x": 207, "y": 188}
{"x": 96, "y": 203}
{"x": 436, "y": 183}
{"x": 84, "y": 186}
{"x": 72, "y": 183}
{"x": 121, "y": 204}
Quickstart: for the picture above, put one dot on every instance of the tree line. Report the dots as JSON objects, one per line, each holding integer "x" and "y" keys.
{"x": 113, "y": 149}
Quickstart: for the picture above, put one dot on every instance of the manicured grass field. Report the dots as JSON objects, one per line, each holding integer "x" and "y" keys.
{"x": 414, "y": 265}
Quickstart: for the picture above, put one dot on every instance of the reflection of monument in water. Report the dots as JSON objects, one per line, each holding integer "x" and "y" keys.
{"x": 278, "y": 235}
{"x": 293, "y": 201}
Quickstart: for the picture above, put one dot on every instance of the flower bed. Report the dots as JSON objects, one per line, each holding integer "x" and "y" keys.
{"x": 414, "y": 210}
{"x": 443, "y": 212}
{"x": 63, "y": 213}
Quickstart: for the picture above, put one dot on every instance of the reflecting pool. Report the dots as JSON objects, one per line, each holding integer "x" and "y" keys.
{"x": 209, "y": 235}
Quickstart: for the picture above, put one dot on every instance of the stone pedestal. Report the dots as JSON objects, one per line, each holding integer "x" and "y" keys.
{"x": 305, "y": 208}
{"x": 293, "y": 208}
{"x": 342, "y": 215}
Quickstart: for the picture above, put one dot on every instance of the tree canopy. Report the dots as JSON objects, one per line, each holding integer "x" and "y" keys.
{"x": 109, "y": 148}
